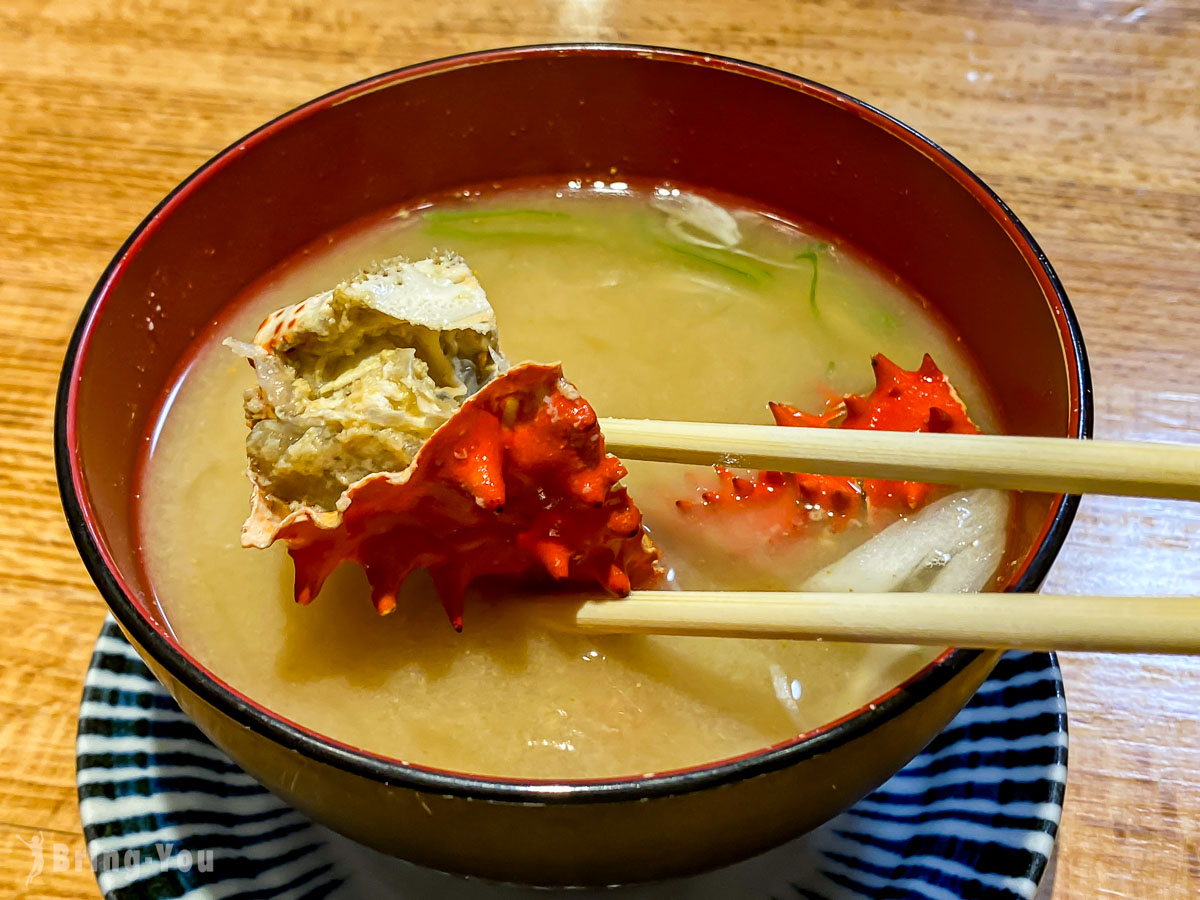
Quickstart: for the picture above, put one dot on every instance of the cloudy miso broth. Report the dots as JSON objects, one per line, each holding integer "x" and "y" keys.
{"x": 650, "y": 319}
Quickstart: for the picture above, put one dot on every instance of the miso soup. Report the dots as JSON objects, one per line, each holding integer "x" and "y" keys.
{"x": 650, "y": 318}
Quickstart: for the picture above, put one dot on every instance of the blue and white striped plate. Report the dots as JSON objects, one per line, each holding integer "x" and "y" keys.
{"x": 167, "y": 815}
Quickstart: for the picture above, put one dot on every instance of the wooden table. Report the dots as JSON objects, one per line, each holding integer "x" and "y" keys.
{"x": 1085, "y": 117}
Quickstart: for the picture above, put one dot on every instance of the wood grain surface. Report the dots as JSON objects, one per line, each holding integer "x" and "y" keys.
{"x": 1083, "y": 114}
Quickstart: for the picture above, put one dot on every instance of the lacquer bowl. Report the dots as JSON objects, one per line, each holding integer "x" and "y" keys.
{"x": 579, "y": 111}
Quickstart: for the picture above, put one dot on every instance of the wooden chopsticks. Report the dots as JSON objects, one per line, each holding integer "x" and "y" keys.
{"x": 1055, "y": 465}
{"x": 981, "y": 620}
{"x": 995, "y": 620}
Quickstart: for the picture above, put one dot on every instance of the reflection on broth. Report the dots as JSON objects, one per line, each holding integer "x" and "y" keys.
{"x": 652, "y": 315}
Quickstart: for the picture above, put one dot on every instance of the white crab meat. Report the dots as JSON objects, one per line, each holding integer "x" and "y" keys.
{"x": 353, "y": 381}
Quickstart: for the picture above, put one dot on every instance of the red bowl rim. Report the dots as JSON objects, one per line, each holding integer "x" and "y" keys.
{"x": 162, "y": 646}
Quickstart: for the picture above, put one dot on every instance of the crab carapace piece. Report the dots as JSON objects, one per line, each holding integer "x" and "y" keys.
{"x": 902, "y": 400}
{"x": 387, "y": 429}
{"x": 517, "y": 483}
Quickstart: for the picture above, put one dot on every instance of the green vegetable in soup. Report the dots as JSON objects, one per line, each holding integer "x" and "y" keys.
{"x": 724, "y": 262}
{"x": 553, "y": 225}
{"x": 811, "y": 254}
{"x": 506, "y": 223}
{"x": 495, "y": 215}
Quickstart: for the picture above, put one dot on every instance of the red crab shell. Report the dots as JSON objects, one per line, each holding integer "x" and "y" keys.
{"x": 920, "y": 400}
{"x": 516, "y": 483}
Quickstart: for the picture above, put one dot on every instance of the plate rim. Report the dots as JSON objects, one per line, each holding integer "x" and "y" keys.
{"x": 1037, "y": 863}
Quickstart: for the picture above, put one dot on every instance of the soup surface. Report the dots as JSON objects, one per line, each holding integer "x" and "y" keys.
{"x": 648, "y": 322}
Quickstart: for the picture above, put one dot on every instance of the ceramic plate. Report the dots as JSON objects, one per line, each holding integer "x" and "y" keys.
{"x": 167, "y": 815}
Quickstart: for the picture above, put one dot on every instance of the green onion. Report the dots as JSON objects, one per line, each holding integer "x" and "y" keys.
{"x": 811, "y": 254}
{"x": 475, "y": 215}
{"x": 497, "y": 223}
{"x": 724, "y": 261}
